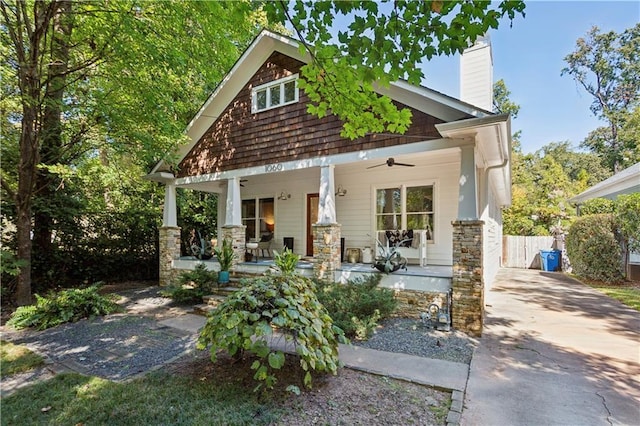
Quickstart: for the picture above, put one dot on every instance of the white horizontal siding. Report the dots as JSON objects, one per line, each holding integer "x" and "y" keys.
{"x": 355, "y": 210}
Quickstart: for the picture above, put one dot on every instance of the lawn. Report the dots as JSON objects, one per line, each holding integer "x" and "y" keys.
{"x": 195, "y": 391}
{"x": 626, "y": 292}
{"x": 159, "y": 398}
{"x": 17, "y": 359}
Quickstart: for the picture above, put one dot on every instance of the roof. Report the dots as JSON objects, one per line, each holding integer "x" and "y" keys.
{"x": 624, "y": 182}
{"x": 421, "y": 98}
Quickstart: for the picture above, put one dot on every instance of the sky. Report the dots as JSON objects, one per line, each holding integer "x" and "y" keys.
{"x": 529, "y": 57}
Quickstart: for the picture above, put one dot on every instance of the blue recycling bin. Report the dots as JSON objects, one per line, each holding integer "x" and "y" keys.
{"x": 550, "y": 260}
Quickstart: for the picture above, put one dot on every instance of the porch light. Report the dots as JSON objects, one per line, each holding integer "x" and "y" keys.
{"x": 284, "y": 196}
{"x": 341, "y": 192}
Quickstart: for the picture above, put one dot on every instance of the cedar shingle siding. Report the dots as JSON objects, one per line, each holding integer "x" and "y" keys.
{"x": 239, "y": 139}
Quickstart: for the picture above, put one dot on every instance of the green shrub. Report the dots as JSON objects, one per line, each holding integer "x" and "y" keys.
{"x": 356, "y": 307}
{"x": 593, "y": 249}
{"x": 286, "y": 261}
{"x": 245, "y": 320}
{"x": 597, "y": 206}
{"x": 64, "y": 306}
{"x": 192, "y": 285}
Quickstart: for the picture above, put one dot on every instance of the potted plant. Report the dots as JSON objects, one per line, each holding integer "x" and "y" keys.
{"x": 389, "y": 259}
{"x": 225, "y": 257}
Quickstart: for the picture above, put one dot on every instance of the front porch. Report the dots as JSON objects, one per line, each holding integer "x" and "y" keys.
{"x": 430, "y": 279}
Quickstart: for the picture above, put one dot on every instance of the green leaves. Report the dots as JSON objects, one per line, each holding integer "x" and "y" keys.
{"x": 592, "y": 248}
{"x": 382, "y": 43}
{"x": 276, "y": 360}
{"x": 606, "y": 66}
{"x": 63, "y": 306}
{"x": 287, "y": 303}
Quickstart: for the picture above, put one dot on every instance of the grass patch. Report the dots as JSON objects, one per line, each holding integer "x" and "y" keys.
{"x": 157, "y": 398}
{"x": 17, "y": 359}
{"x": 630, "y": 296}
{"x": 627, "y": 292}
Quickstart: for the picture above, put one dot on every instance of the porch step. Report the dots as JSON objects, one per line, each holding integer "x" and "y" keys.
{"x": 203, "y": 309}
{"x": 239, "y": 275}
{"x": 225, "y": 291}
{"x": 213, "y": 299}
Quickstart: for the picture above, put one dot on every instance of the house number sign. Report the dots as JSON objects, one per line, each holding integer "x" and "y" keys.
{"x": 270, "y": 168}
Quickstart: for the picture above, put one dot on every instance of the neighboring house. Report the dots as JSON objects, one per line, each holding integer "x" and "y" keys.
{"x": 284, "y": 173}
{"x": 625, "y": 182}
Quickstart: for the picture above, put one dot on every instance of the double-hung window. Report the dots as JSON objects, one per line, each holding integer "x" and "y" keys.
{"x": 258, "y": 217}
{"x": 405, "y": 207}
{"x": 274, "y": 94}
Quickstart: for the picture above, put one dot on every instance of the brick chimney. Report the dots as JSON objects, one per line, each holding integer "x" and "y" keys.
{"x": 476, "y": 74}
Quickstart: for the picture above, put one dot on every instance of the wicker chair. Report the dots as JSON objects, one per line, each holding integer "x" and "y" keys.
{"x": 265, "y": 244}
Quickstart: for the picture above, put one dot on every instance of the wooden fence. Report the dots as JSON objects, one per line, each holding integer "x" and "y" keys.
{"x": 524, "y": 252}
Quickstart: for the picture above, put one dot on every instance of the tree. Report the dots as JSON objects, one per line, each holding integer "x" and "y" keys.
{"x": 384, "y": 42}
{"x": 627, "y": 213}
{"x": 574, "y": 163}
{"x": 606, "y": 65}
{"x": 101, "y": 78}
{"x": 502, "y": 104}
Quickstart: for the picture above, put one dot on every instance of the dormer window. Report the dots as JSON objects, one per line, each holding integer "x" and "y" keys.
{"x": 274, "y": 94}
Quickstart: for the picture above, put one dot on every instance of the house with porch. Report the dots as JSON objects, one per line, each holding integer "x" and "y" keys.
{"x": 288, "y": 177}
{"x": 625, "y": 182}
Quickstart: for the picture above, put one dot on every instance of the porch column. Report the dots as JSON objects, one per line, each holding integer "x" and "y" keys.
{"x": 327, "y": 201}
{"x": 467, "y": 196}
{"x": 169, "y": 248}
{"x": 170, "y": 215}
{"x": 326, "y": 233}
{"x": 169, "y": 251}
{"x": 234, "y": 203}
{"x": 233, "y": 229}
{"x": 236, "y": 235}
{"x": 467, "y": 282}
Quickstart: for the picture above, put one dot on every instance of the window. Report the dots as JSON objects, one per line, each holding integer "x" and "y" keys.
{"x": 405, "y": 207}
{"x": 274, "y": 94}
{"x": 258, "y": 217}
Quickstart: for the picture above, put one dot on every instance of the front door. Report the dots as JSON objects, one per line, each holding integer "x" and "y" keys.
{"x": 312, "y": 217}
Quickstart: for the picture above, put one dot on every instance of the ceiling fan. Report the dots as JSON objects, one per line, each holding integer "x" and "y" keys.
{"x": 222, "y": 183}
{"x": 391, "y": 162}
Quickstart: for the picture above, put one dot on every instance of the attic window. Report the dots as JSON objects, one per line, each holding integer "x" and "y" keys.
{"x": 274, "y": 94}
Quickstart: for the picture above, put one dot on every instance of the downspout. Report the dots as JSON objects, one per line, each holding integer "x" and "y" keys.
{"x": 505, "y": 161}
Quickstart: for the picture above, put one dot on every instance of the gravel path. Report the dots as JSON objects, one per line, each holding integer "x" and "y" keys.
{"x": 115, "y": 347}
{"x": 412, "y": 337}
{"x": 120, "y": 346}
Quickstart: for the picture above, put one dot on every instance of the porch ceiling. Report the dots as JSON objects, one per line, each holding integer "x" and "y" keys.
{"x": 373, "y": 156}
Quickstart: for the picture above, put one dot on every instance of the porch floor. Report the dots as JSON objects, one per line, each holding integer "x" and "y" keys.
{"x": 437, "y": 271}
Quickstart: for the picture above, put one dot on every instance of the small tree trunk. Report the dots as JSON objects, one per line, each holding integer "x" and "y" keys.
{"x": 26, "y": 173}
{"x": 51, "y": 134}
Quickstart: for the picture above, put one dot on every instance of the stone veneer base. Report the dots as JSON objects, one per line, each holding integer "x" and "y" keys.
{"x": 467, "y": 282}
{"x": 326, "y": 250}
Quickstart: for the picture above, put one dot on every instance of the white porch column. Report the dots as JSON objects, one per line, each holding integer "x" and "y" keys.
{"x": 467, "y": 198}
{"x": 327, "y": 202}
{"x": 234, "y": 203}
{"x": 170, "y": 215}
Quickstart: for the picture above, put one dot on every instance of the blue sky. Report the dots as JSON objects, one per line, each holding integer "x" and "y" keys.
{"x": 529, "y": 56}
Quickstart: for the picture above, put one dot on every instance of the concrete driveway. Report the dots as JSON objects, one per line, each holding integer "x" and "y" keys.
{"x": 554, "y": 352}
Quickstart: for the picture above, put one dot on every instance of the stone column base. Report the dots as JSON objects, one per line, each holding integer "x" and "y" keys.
{"x": 468, "y": 283}
{"x": 237, "y": 235}
{"x": 326, "y": 250}
{"x": 169, "y": 251}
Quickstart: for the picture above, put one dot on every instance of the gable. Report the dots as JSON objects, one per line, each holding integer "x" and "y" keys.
{"x": 239, "y": 138}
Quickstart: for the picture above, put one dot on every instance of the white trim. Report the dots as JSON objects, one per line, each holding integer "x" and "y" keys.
{"x": 628, "y": 180}
{"x": 403, "y": 185}
{"x": 267, "y": 88}
{"x": 346, "y": 158}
